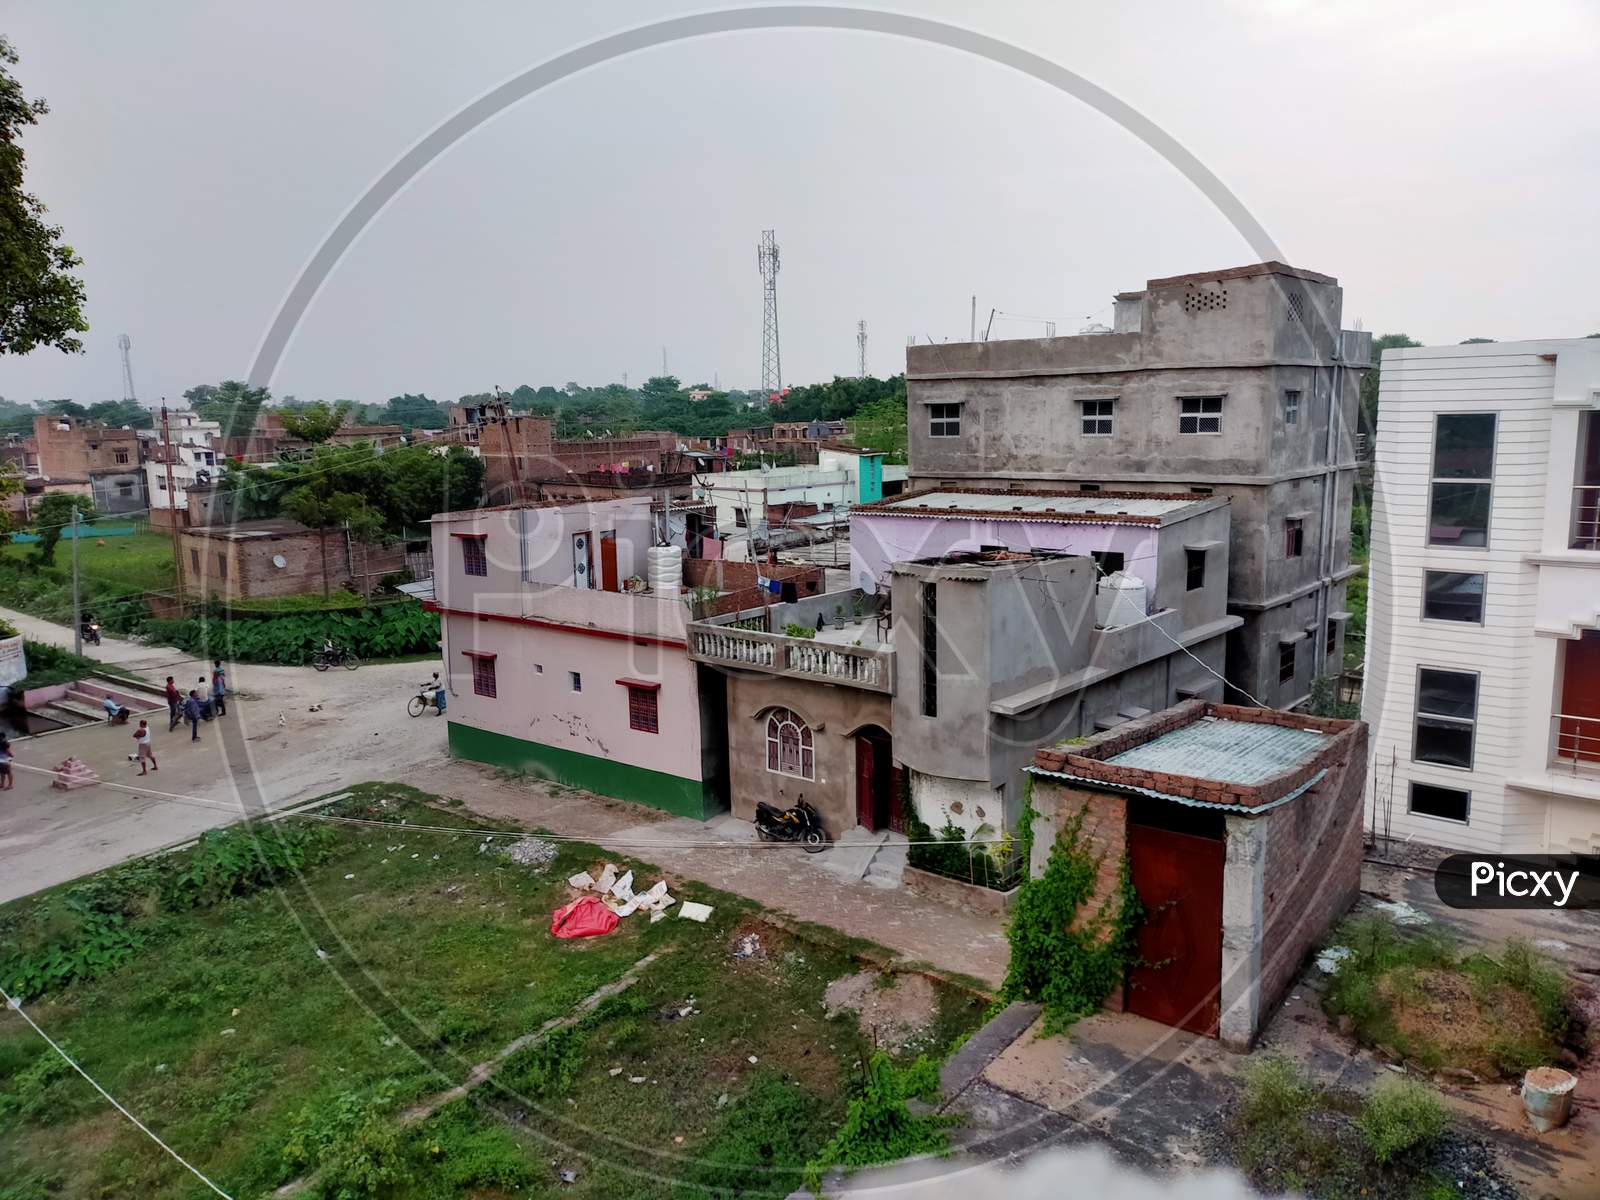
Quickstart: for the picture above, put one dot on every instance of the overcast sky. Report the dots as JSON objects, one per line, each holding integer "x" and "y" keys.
{"x": 1440, "y": 159}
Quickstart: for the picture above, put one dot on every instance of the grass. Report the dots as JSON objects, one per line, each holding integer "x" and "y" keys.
{"x": 439, "y": 955}
{"x": 1428, "y": 999}
{"x": 49, "y": 664}
{"x": 141, "y": 561}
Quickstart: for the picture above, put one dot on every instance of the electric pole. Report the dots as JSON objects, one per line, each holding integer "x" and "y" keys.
{"x": 861, "y": 349}
{"x": 77, "y": 608}
{"x": 972, "y": 334}
{"x": 123, "y": 344}
{"x": 771, "y": 363}
{"x": 172, "y": 503}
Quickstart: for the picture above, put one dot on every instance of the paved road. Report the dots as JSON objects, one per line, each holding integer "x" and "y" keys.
{"x": 270, "y": 752}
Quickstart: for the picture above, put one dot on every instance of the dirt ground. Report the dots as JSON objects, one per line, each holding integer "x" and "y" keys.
{"x": 892, "y": 1011}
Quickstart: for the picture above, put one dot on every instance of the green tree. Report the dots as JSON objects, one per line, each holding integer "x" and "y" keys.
{"x": 1477, "y": 342}
{"x": 41, "y": 300}
{"x": 881, "y": 425}
{"x": 122, "y": 412}
{"x": 415, "y": 412}
{"x": 315, "y": 423}
{"x": 16, "y": 416}
{"x": 1369, "y": 382}
{"x": 10, "y": 485}
{"x": 230, "y": 402}
{"x": 66, "y": 408}
{"x": 53, "y": 514}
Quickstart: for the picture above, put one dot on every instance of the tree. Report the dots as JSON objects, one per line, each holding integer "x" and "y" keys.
{"x": 10, "y": 485}
{"x": 315, "y": 423}
{"x": 317, "y": 508}
{"x": 41, "y": 301}
{"x": 230, "y": 402}
{"x": 415, "y": 412}
{"x": 1477, "y": 342}
{"x": 1369, "y": 383}
{"x": 122, "y": 412}
{"x": 67, "y": 408}
{"x": 52, "y": 514}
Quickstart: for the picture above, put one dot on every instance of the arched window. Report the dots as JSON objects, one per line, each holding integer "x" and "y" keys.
{"x": 788, "y": 744}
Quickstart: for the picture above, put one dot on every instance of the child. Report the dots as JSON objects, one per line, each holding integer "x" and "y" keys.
{"x": 141, "y": 738}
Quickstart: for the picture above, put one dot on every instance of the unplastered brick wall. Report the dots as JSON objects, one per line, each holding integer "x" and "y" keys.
{"x": 737, "y": 582}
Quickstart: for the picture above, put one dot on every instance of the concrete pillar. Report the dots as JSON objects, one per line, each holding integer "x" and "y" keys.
{"x": 1244, "y": 873}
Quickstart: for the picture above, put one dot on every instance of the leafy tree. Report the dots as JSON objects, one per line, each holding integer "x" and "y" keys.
{"x": 315, "y": 423}
{"x": 52, "y": 514}
{"x": 122, "y": 412}
{"x": 1477, "y": 341}
{"x": 10, "y": 485}
{"x": 230, "y": 402}
{"x": 40, "y": 299}
{"x": 416, "y": 412}
{"x": 16, "y": 416}
{"x": 881, "y": 425}
{"x": 1369, "y": 383}
{"x": 67, "y": 408}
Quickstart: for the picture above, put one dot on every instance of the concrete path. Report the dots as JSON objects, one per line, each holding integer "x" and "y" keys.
{"x": 782, "y": 877}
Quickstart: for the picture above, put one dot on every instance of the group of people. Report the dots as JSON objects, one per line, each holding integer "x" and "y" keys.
{"x": 204, "y": 701}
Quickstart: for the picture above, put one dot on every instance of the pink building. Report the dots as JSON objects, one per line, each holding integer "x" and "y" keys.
{"x": 565, "y": 651}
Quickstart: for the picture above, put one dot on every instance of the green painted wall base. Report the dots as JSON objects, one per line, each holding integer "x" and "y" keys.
{"x": 682, "y": 797}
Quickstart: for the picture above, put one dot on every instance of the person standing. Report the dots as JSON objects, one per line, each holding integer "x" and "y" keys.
{"x": 219, "y": 688}
{"x": 146, "y": 749}
{"x": 192, "y": 710}
{"x": 174, "y": 704}
{"x": 5, "y": 763}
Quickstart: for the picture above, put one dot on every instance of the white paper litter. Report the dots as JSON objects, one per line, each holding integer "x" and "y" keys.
{"x": 622, "y": 889}
{"x": 1402, "y": 913}
{"x": 582, "y": 881}
{"x": 1331, "y": 959}
{"x": 694, "y": 911}
{"x": 657, "y": 916}
{"x": 607, "y": 877}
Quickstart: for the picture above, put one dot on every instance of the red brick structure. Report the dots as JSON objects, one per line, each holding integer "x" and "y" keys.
{"x": 69, "y": 449}
{"x": 255, "y": 559}
{"x": 1243, "y": 830}
{"x": 737, "y": 587}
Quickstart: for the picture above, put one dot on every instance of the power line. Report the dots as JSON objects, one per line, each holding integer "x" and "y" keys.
{"x": 15, "y": 1006}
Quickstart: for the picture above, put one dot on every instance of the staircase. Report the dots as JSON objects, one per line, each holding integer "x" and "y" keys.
{"x": 82, "y": 704}
{"x": 888, "y": 865}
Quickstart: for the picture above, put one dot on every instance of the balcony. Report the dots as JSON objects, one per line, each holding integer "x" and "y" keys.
{"x": 1585, "y": 531}
{"x": 870, "y": 668}
{"x": 1575, "y": 741}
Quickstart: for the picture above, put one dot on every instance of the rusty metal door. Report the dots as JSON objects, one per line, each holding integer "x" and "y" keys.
{"x": 1179, "y": 880}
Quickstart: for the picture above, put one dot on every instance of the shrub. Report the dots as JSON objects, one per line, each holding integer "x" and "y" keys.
{"x": 878, "y": 1125}
{"x": 33, "y": 1093}
{"x": 295, "y": 638}
{"x": 799, "y": 631}
{"x": 1275, "y": 1091}
{"x": 1401, "y": 1114}
{"x": 549, "y": 1067}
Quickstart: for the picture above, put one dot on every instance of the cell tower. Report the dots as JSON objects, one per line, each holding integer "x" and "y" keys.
{"x": 771, "y": 365}
{"x": 125, "y": 346}
{"x": 861, "y": 349}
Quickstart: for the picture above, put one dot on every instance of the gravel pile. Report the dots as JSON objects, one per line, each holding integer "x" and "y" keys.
{"x": 532, "y": 852}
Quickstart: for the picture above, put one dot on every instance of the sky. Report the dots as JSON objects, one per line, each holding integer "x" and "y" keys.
{"x": 1440, "y": 160}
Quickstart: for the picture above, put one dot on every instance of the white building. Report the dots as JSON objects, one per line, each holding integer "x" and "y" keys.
{"x": 195, "y": 455}
{"x": 1483, "y": 626}
{"x": 839, "y": 480}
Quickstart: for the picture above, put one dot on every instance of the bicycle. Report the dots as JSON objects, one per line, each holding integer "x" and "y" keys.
{"x": 426, "y": 700}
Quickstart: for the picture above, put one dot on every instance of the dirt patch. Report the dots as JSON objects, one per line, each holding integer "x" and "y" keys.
{"x": 1438, "y": 1009}
{"x": 895, "y": 1011}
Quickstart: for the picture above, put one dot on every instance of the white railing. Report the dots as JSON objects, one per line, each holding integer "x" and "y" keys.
{"x": 779, "y": 654}
{"x": 1585, "y": 517}
{"x": 1575, "y": 740}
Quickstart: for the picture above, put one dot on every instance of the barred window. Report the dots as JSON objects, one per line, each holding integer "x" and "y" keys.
{"x": 1097, "y": 418}
{"x": 483, "y": 681}
{"x": 1200, "y": 414}
{"x": 789, "y": 745}
{"x": 1291, "y": 408}
{"x": 644, "y": 714}
{"x": 944, "y": 420}
{"x": 474, "y": 557}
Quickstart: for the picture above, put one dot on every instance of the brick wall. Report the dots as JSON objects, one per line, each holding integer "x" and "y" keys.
{"x": 73, "y": 452}
{"x": 736, "y": 581}
{"x": 251, "y": 573}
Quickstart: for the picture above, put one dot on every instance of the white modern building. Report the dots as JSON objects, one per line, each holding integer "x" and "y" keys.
{"x": 1483, "y": 625}
{"x": 195, "y": 452}
{"x": 839, "y": 480}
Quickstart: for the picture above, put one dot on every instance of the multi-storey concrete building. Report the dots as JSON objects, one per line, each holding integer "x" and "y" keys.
{"x": 1483, "y": 634}
{"x": 87, "y": 458}
{"x": 1237, "y": 383}
{"x": 193, "y": 456}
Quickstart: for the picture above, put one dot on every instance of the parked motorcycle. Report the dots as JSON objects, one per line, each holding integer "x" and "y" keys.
{"x": 800, "y": 824}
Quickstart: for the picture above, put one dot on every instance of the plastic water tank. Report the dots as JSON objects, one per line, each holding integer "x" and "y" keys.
{"x": 1119, "y": 600}
{"x": 665, "y": 565}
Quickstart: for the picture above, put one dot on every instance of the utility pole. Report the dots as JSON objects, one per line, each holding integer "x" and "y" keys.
{"x": 172, "y": 504}
{"x": 511, "y": 453}
{"x": 663, "y": 360}
{"x": 77, "y": 608}
{"x": 972, "y": 334}
{"x": 861, "y": 349}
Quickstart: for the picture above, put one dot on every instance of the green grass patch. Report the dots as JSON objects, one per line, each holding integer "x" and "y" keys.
{"x": 49, "y": 665}
{"x": 141, "y": 561}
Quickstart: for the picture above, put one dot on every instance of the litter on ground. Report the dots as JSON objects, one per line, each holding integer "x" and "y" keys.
{"x": 532, "y": 852}
{"x": 694, "y": 911}
{"x": 1402, "y": 913}
{"x": 1329, "y": 961}
{"x": 584, "y": 917}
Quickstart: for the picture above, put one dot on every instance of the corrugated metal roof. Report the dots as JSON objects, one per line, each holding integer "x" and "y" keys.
{"x": 1020, "y": 504}
{"x": 1244, "y": 752}
{"x": 1242, "y": 810}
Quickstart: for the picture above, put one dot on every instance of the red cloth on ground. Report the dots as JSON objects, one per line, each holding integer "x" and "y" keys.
{"x": 584, "y": 917}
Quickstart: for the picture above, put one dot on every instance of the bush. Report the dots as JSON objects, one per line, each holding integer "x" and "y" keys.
{"x": 878, "y": 1125}
{"x": 1401, "y": 1114}
{"x": 1275, "y": 1091}
{"x": 951, "y": 855}
{"x": 382, "y": 632}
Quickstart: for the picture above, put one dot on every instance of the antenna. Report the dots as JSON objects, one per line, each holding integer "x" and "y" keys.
{"x": 861, "y": 349}
{"x": 125, "y": 346}
{"x": 663, "y": 360}
{"x": 771, "y": 364}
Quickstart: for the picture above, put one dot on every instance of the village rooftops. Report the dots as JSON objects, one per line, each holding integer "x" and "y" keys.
{"x": 1207, "y": 755}
{"x": 1095, "y": 508}
{"x": 239, "y": 531}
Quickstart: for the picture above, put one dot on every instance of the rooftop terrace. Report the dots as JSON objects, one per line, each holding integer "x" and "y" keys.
{"x": 1144, "y": 508}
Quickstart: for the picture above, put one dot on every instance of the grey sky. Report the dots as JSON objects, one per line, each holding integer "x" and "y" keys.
{"x": 1439, "y": 159}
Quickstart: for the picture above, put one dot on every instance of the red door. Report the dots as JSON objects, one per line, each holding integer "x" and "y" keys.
{"x": 877, "y": 785}
{"x": 1579, "y": 733}
{"x": 1179, "y": 880}
{"x": 866, "y": 783}
{"x": 608, "y": 562}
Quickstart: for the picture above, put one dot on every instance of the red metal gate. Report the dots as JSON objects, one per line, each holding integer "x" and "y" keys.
{"x": 1179, "y": 880}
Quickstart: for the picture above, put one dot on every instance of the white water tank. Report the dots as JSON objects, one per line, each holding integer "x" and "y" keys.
{"x": 1119, "y": 600}
{"x": 665, "y": 566}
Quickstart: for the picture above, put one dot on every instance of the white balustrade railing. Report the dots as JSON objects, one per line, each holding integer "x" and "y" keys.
{"x": 779, "y": 654}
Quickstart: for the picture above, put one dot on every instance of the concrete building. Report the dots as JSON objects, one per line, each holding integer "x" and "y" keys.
{"x": 89, "y": 459}
{"x": 985, "y": 637}
{"x": 842, "y": 478}
{"x": 565, "y": 652}
{"x": 1238, "y": 383}
{"x": 194, "y": 457}
{"x": 1483, "y": 625}
{"x": 1242, "y": 831}
{"x": 256, "y": 559}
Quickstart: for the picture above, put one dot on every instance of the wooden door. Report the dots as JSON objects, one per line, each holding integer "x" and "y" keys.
{"x": 1579, "y": 734}
{"x": 1179, "y": 880}
{"x": 608, "y": 562}
{"x": 866, "y": 780}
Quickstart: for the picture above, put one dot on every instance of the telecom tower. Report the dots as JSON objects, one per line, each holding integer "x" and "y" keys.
{"x": 861, "y": 349}
{"x": 771, "y": 366}
{"x": 125, "y": 345}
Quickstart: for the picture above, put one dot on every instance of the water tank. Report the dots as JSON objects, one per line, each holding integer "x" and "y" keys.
{"x": 1119, "y": 600}
{"x": 1094, "y": 328}
{"x": 665, "y": 565}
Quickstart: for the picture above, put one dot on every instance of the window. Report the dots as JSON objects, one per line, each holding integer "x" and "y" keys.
{"x": 1291, "y": 407}
{"x": 1097, "y": 417}
{"x": 120, "y": 456}
{"x": 1194, "y": 562}
{"x": 474, "y": 556}
{"x": 1088, "y": 487}
{"x": 222, "y": 565}
{"x": 1452, "y": 596}
{"x": 1107, "y": 562}
{"x": 643, "y": 712}
{"x": 1333, "y": 638}
{"x": 789, "y": 746}
{"x": 1447, "y": 716}
{"x": 1200, "y": 414}
{"x": 1448, "y": 804}
{"x": 124, "y": 489}
{"x": 161, "y": 482}
{"x": 538, "y": 668}
{"x": 1294, "y": 537}
{"x": 944, "y": 420}
{"x": 483, "y": 682}
{"x": 1286, "y": 661}
{"x": 1197, "y": 490}
{"x": 194, "y": 559}
{"x": 575, "y": 678}
{"x": 1463, "y": 468}
{"x": 930, "y": 650}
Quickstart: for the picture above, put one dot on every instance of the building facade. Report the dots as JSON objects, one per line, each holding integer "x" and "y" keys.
{"x": 257, "y": 559}
{"x": 1483, "y": 628}
{"x": 1237, "y": 383}
{"x": 193, "y": 456}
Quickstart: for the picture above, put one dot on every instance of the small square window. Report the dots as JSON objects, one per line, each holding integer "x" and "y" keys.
{"x": 1088, "y": 487}
{"x": 474, "y": 556}
{"x": 1291, "y": 407}
{"x": 944, "y": 420}
{"x": 483, "y": 680}
{"x": 1286, "y": 661}
{"x": 1097, "y": 417}
{"x": 1107, "y": 562}
{"x": 1194, "y": 562}
{"x": 538, "y": 668}
{"x": 1294, "y": 537}
{"x": 1448, "y": 804}
{"x": 643, "y": 711}
{"x": 1333, "y": 638}
{"x": 194, "y": 559}
{"x": 1452, "y": 596}
{"x": 1200, "y": 414}
{"x": 575, "y": 679}
{"x": 124, "y": 489}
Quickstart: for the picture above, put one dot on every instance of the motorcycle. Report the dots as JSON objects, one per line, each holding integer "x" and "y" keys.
{"x": 335, "y": 658}
{"x": 91, "y": 633}
{"x": 800, "y": 824}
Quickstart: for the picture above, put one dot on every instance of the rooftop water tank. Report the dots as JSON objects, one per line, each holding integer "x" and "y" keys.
{"x": 665, "y": 565}
{"x": 1119, "y": 600}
